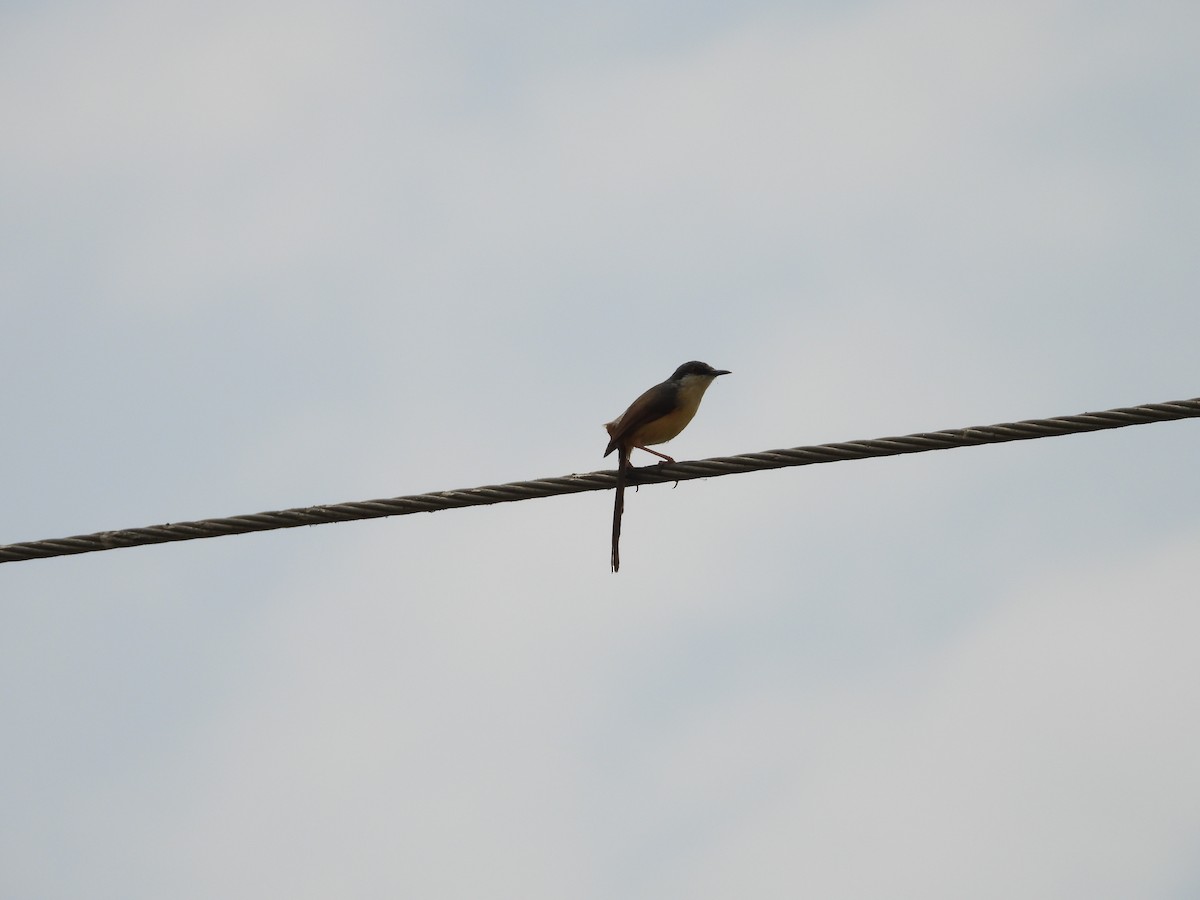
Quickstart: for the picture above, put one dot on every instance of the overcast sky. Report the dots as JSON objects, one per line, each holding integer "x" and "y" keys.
{"x": 257, "y": 254}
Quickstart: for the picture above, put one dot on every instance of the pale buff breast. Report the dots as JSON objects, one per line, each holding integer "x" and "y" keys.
{"x": 662, "y": 430}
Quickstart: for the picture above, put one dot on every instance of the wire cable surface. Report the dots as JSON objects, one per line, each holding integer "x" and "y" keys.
{"x": 1029, "y": 429}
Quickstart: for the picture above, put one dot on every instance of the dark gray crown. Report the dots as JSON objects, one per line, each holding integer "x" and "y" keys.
{"x": 695, "y": 367}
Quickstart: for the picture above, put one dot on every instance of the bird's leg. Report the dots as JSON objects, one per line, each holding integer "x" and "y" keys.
{"x": 656, "y": 453}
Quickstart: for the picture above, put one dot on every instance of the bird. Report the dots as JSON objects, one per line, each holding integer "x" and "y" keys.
{"x": 654, "y": 418}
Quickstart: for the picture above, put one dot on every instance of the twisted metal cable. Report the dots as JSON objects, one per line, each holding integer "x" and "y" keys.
{"x": 1026, "y": 430}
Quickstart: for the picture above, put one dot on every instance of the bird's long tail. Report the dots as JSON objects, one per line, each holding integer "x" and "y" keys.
{"x": 618, "y": 510}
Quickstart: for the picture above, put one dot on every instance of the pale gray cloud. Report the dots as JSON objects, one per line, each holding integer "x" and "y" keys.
{"x": 267, "y": 255}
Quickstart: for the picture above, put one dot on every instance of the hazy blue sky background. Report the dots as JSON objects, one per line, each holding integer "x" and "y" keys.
{"x": 259, "y": 254}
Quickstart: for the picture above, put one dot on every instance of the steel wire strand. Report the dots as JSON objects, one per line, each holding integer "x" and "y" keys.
{"x": 1029, "y": 429}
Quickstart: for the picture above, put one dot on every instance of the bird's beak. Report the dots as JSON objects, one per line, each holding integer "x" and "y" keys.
{"x": 722, "y": 372}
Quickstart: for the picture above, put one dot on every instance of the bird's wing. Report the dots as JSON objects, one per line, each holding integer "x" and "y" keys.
{"x": 654, "y": 404}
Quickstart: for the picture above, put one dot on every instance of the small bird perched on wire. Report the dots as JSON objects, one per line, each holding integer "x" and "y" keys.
{"x": 654, "y": 418}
